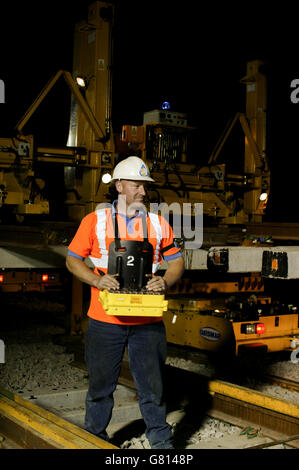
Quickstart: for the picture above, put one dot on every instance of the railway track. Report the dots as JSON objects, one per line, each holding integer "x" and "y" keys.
{"x": 24, "y": 424}
{"x": 190, "y": 396}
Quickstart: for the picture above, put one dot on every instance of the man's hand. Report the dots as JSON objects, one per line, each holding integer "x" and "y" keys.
{"x": 79, "y": 269}
{"x": 107, "y": 281}
{"x": 156, "y": 284}
{"x": 174, "y": 272}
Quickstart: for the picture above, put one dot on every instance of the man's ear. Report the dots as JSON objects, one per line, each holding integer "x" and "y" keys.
{"x": 118, "y": 186}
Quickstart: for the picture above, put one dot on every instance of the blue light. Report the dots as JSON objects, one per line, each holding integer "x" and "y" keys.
{"x": 165, "y": 105}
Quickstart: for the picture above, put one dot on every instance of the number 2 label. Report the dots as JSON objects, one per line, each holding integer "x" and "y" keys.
{"x": 130, "y": 260}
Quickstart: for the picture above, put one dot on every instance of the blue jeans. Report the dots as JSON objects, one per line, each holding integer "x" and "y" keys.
{"x": 147, "y": 349}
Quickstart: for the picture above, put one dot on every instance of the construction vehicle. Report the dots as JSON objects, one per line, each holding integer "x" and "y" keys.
{"x": 221, "y": 299}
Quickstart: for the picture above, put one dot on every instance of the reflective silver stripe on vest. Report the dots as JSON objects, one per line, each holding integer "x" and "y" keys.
{"x": 97, "y": 262}
{"x": 154, "y": 218}
{"x": 101, "y": 236}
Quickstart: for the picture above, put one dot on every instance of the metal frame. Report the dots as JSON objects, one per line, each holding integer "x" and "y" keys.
{"x": 75, "y": 90}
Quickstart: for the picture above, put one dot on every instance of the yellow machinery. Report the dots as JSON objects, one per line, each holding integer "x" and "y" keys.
{"x": 90, "y": 148}
{"x": 90, "y": 152}
{"x": 204, "y": 325}
{"x": 228, "y": 198}
{"x": 200, "y": 312}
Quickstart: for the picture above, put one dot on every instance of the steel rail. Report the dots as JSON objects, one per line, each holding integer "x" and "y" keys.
{"x": 253, "y": 397}
{"x": 276, "y": 418}
{"x": 274, "y": 443}
{"x": 283, "y": 382}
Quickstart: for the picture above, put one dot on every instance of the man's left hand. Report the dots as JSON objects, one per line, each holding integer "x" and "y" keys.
{"x": 156, "y": 284}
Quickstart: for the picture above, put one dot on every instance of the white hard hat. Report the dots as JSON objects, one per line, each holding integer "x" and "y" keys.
{"x": 132, "y": 168}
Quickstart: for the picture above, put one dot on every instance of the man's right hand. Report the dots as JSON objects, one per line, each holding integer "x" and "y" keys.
{"x": 107, "y": 281}
{"x": 79, "y": 269}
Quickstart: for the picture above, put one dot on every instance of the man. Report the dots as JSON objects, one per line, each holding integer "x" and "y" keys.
{"x": 106, "y": 335}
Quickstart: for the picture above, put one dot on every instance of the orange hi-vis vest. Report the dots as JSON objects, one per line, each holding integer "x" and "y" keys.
{"x": 93, "y": 238}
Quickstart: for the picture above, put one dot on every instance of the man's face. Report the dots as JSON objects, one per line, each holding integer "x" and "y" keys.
{"x": 133, "y": 193}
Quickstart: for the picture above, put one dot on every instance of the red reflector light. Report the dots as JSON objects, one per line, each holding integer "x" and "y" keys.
{"x": 260, "y": 328}
{"x": 1, "y": 278}
{"x": 253, "y": 328}
{"x": 45, "y": 277}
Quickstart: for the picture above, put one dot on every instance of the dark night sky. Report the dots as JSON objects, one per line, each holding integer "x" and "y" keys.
{"x": 189, "y": 53}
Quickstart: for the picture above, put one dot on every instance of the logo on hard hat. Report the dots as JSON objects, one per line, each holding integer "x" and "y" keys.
{"x": 143, "y": 170}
